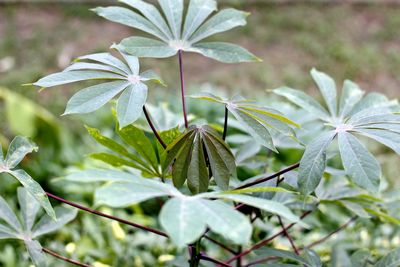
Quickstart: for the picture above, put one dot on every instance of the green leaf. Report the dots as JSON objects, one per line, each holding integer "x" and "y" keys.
{"x": 107, "y": 59}
{"x": 94, "y": 66}
{"x": 117, "y": 161}
{"x": 208, "y": 97}
{"x": 256, "y": 129}
{"x": 107, "y": 142}
{"x": 130, "y": 104}
{"x": 152, "y": 14}
{"x": 392, "y": 259}
{"x": 173, "y": 10}
{"x": 35, "y": 252}
{"x": 20, "y": 146}
{"x": 146, "y": 47}
{"x": 259, "y": 189}
{"x": 1, "y": 155}
{"x": 34, "y": 189}
{"x": 224, "y": 52}
{"x": 386, "y": 137}
{"x": 66, "y": 77}
{"x": 91, "y": 176}
{"x": 29, "y": 207}
{"x": 197, "y": 173}
{"x": 7, "y": 215}
{"x": 183, "y": 221}
{"x": 312, "y": 257}
{"x": 182, "y": 161}
{"x": 94, "y": 97}
{"x": 351, "y": 95}
{"x": 136, "y": 138}
{"x": 313, "y": 163}
{"x": 7, "y": 233}
{"x": 223, "y": 21}
{"x": 129, "y": 18}
{"x": 284, "y": 254}
{"x": 304, "y": 101}
{"x": 47, "y": 225}
{"x": 150, "y": 75}
{"x": 264, "y": 204}
{"x": 360, "y": 258}
{"x": 119, "y": 194}
{"x": 197, "y": 13}
{"x": 327, "y": 87}
{"x": 359, "y": 163}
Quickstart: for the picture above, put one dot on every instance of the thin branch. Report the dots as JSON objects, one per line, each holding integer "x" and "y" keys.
{"x": 220, "y": 244}
{"x": 265, "y": 241}
{"x": 342, "y": 227}
{"x": 52, "y": 253}
{"x": 95, "y": 212}
{"x": 272, "y": 176}
{"x": 153, "y": 128}
{"x": 288, "y": 236}
{"x": 209, "y": 259}
{"x": 225, "y": 124}
{"x": 183, "y": 88}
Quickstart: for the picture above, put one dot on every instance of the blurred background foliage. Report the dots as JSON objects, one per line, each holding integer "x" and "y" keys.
{"x": 360, "y": 42}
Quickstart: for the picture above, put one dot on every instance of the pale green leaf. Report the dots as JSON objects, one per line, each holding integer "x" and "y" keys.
{"x": 150, "y": 75}
{"x": 107, "y": 142}
{"x": 197, "y": 13}
{"x": 129, "y": 18}
{"x": 183, "y": 221}
{"x": 388, "y": 138}
{"x": 360, "y": 258}
{"x": 146, "y": 47}
{"x": 152, "y": 14}
{"x": 355, "y": 208}
{"x": 208, "y": 97}
{"x": 29, "y": 207}
{"x": 173, "y": 10}
{"x": 94, "y": 97}
{"x": 47, "y": 225}
{"x": 327, "y": 87}
{"x": 35, "y": 252}
{"x": 91, "y": 176}
{"x": 20, "y": 146}
{"x": 351, "y": 95}
{"x": 130, "y": 104}
{"x": 223, "y": 21}
{"x": 359, "y": 163}
{"x": 304, "y": 101}
{"x": 264, "y": 204}
{"x": 118, "y": 195}
{"x": 66, "y": 77}
{"x": 7, "y": 233}
{"x": 108, "y": 59}
{"x": 7, "y": 215}
{"x": 117, "y": 161}
{"x": 392, "y": 259}
{"x": 284, "y": 254}
{"x": 224, "y": 52}
{"x": 371, "y": 100}
{"x": 133, "y": 63}
{"x": 94, "y": 66}
{"x": 1, "y": 155}
{"x": 313, "y": 163}
{"x": 35, "y": 190}
{"x": 259, "y": 189}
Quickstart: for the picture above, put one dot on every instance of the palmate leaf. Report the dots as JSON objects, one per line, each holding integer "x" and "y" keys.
{"x": 392, "y": 259}
{"x": 257, "y": 120}
{"x": 372, "y": 116}
{"x": 178, "y": 31}
{"x": 184, "y": 218}
{"x": 122, "y": 78}
{"x": 29, "y": 232}
{"x": 188, "y": 155}
{"x": 19, "y": 148}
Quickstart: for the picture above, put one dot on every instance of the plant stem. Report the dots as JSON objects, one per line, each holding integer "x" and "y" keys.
{"x": 209, "y": 259}
{"x": 183, "y": 88}
{"x": 195, "y": 254}
{"x": 272, "y": 176}
{"x": 342, "y": 227}
{"x": 153, "y": 128}
{"x": 52, "y": 253}
{"x": 239, "y": 261}
{"x": 220, "y": 244}
{"x": 288, "y": 236}
{"x": 95, "y": 212}
{"x": 225, "y": 124}
{"x": 265, "y": 241}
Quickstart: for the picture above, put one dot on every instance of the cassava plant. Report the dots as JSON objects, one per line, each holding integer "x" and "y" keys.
{"x": 203, "y": 175}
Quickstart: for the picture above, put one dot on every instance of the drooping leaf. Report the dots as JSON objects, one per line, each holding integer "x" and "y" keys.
{"x": 197, "y": 170}
{"x": 35, "y": 252}
{"x": 312, "y": 257}
{"x": 360, "y": 258}
{"x": 19, "y": 148}
{"x": 359, "y": 163}
{"x": 47, "y": 225}
{"x": 284, "y": 254}
{"x": 384, "y": 136}
{"x": 34, "y": 189}
{"x": 351, "y": 95}
{"x": 146, "y": 47}
{"x": 130, "y": 104}
{"x": 7, "y": 233}
{"x": 313, "y": 163}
